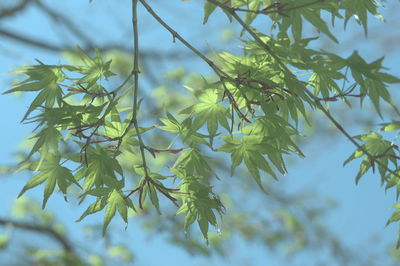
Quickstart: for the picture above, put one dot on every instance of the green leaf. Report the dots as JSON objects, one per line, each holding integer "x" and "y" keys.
{"x": 208, "y": 110}
{"x": 47, "y": 141}
{"x": 395, "y": 216}
{"x": 203, "y": 223}
{"x": 102, "y": 168}
{"x": 48, "y": 189}
{"x": 184, "y": 208}
{"x": 153, "y": 197}
{"x": 52, "y": 173}
{"x": 250, "y": 16}
{"x": 390, "y": 127}
{"x": 364, "y": 167}
{"x": 33, "y": 182}
{"x": 199, "y": 203}
{"x": 314, "y": 17}
{"x": 33, "y": 86}
{"x": 97, "y": 206}
{"x": 40, "y": 76}
{"x": 109, "y": 214}
{"x": 250, "y": 148}
{"x": 209, "y": 8}
{"x": 93, "y": 69}
{"x": 190, "y": 217}
{"x": 194, "y": 162}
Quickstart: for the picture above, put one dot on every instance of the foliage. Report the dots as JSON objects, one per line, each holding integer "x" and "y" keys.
{"x": 252, "y": 109}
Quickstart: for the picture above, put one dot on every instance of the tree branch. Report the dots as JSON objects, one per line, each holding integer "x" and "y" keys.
{"x": 57, "y": 17}
{"x": 145, "y": 54}
{"x": 175, "y": 35}
{"x": 31, "y": 41}
{"x": 136, "y": 73}
{"x": 43, "y": 230}
{"x": 12, "y": 11}
{"x": 220, "y": 73}
{"x": 223, "y": 75}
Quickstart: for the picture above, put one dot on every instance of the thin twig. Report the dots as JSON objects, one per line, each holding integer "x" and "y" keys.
{"x": 223, "y": 76}
{"x": 175, "y": 35}
{"x": 136, "y": 73}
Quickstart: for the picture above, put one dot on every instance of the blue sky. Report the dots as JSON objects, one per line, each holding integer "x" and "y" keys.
{"x": 362, "y": 210}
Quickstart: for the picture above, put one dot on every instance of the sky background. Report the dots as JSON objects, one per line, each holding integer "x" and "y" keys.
{"x": 362, "y": 210}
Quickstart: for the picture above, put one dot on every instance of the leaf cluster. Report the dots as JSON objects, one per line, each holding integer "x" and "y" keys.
{"x": 252, "y": 110}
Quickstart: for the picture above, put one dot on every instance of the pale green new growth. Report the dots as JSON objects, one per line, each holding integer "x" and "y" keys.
{"x": 251, "y": 110}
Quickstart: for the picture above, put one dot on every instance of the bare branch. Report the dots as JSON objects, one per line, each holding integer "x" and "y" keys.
{"x": 63, "y": 241}
{"x": 136, "y": 73}
{"x": 57, "y": 17}
{"x": 145, "y": 54}
{"x": 14, "y": 10}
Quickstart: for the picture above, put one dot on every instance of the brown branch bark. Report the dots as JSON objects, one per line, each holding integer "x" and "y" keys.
{"x": 14, "y": 10}
{"x": 54, "y": 48}
{"x": 65, "y": 244}
{"x": 58, "y": 17}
